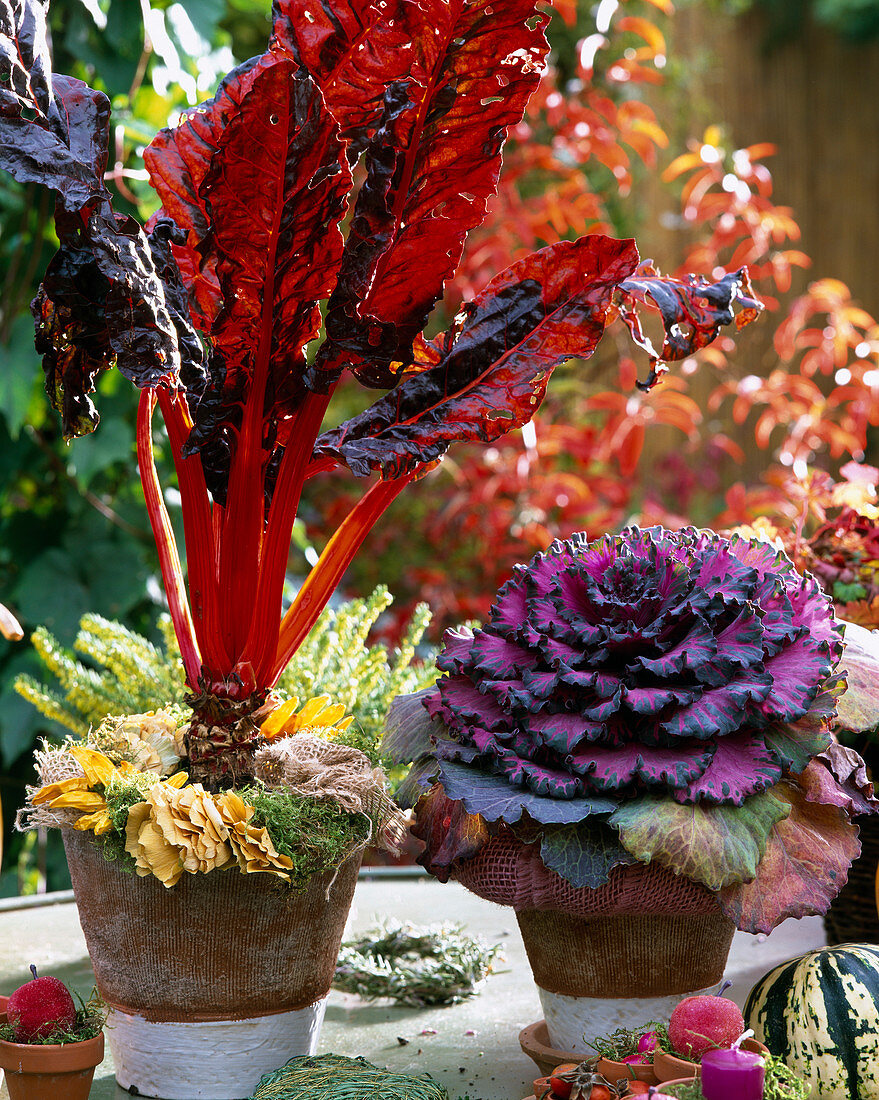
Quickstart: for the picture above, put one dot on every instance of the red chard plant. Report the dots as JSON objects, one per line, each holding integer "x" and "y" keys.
{"x": 311, "y": 213}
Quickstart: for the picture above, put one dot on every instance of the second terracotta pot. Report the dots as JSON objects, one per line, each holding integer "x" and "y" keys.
{"x": 40, "y": 1071}
{"x": 667, "y": 1067}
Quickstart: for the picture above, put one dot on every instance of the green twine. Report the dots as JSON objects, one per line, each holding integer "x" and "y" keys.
{"x": 334, "y": 1077}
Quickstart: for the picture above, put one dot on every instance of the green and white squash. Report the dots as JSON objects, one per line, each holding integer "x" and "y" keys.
{"x": 820, "y": 1014}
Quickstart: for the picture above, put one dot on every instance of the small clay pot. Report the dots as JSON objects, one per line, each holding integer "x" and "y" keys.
{"x": 62, "y": 1071}
{"x": 632, "y": 1071}
{"x": 534, "y": 1041}
{"x": 669, "y": 1068}
{"x": 671, "y": 1085}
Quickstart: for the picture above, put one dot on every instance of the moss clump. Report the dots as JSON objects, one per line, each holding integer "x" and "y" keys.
{"x": 315, "y": 835}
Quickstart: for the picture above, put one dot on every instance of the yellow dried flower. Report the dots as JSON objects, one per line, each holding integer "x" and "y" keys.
{"x": 150, "y": 742}
{"x": 255, "y": 851}
{"x": 87, "y": 801}
{"x": 98, "y": 768}
{"x": 98, "y": 822}
{"x": 318, "y": 713}
{"x": 51, "y": 791}
{"x": 74, "y": 793}
{"x": 252, "y": 846}
{"x": 191, "y": 822}
{"x": 153, "y": 855}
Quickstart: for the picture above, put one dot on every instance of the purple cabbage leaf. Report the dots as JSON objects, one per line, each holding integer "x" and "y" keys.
{"x": 492, "y": 797}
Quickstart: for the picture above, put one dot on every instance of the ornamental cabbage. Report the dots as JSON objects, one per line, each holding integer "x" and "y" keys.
{"x": 650, "y": 660}
{"x": 652, "y": 695}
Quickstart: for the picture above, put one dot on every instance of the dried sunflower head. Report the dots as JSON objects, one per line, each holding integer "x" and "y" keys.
{"x": 319, "y": 715}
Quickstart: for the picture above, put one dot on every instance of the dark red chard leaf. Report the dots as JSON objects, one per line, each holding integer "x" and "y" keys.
{"x": 549, "y": 307}
{"x": 178, "y": 160}
{"x": 692, "y": 310}
{"x": 164, "y": 235}
{"x": 102, "y": 304}
{"x": 431, "y": 166}
{"x": 178, "y": 157}
{"x": 61, "y": 138}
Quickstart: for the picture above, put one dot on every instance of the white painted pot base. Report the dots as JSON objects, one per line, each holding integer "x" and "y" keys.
{"x": 210, "y": 1060}
{"x": 571, "y": 1021}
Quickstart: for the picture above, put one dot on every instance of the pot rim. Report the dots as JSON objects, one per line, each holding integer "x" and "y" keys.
{"x": 34, "y": 1058}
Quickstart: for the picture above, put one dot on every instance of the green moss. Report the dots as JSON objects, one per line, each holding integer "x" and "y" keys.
{"x": 315, "y": 835}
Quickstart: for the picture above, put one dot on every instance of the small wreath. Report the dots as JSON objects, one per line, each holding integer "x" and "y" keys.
{"x": 432, "y": 965}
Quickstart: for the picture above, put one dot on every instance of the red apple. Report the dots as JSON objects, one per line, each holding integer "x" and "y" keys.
{"x": 699, "y": 1023}
{"x": 39, "y": 1007}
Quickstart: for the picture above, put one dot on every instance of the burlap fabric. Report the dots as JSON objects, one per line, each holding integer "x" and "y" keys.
{"x": 222, "y": 946}
{"x": 646, "y": 933}
{"x": 508, "y": 872}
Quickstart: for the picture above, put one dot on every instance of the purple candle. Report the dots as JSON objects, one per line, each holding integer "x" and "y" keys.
{"x": 732, "y": 1075}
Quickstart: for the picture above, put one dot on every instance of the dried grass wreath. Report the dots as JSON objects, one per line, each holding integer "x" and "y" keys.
{"x": 430, "y": 965}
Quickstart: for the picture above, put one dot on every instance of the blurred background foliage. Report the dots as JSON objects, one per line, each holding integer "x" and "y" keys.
{"x": 854, "y": 21}
{"x": 621, "y": 138}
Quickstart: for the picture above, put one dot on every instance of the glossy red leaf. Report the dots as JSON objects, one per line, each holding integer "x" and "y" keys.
{"x": 353, "y": 49}
{"x": 431, "y": 166}
{"x": 179, "y": 157}
{"x": 276, "y": 253}
{"x": 492, "y": 374}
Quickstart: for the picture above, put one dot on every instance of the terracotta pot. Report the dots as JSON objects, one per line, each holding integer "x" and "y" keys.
{"x": 213, "y": 982}
{"x": 534, "y": 1041}
{"x": 613, "y": 1071}
{"x": 669, "y": 1068}
{"x": 597, "y": 973}
{"x": 62, "y": 1071}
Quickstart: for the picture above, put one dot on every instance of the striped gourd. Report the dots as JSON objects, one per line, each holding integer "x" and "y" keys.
{"x": 820, "y": 1014}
